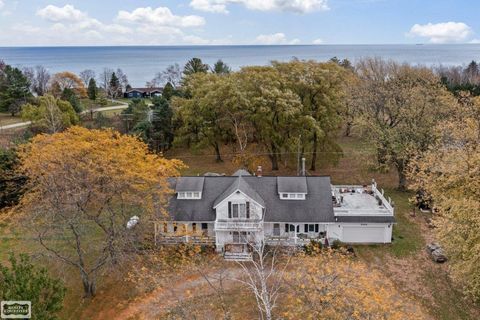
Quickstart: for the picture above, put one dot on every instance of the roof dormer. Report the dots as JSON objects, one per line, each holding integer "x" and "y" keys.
{"x": 292, "y": 188}
{"x": 189, "y": 188}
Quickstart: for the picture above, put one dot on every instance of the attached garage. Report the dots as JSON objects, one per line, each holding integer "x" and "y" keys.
{"x": 366, "y": 233}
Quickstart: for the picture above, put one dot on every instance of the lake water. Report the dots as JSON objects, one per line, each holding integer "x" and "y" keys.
{"x": 141, "y": 63}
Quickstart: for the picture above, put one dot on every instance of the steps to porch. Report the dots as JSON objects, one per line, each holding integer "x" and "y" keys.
{"x": 237, "y": 256}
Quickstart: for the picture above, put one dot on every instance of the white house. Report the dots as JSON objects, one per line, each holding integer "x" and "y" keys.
{"x": 232, "y": 211}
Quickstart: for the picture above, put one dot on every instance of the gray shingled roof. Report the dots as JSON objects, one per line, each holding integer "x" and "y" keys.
{"x": 241, "y": 172}
{"x": 292, "y": 184}
{"x": 317, "y": 206}
{"x": 189, "y": 184}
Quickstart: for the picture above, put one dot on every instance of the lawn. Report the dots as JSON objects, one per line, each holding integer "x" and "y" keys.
{"x": 6, "y": 119}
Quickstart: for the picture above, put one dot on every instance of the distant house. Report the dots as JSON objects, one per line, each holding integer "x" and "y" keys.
{"x": 231, "y": 212}
{"x": 143, "y": 93}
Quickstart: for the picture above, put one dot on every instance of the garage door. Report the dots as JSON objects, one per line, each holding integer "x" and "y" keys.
{"x": 365, "y": 234}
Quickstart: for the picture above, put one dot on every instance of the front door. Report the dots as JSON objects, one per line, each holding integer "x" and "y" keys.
{"x": 276, "y": 229}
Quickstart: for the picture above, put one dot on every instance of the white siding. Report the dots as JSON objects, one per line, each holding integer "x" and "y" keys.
{"x": 222, "y": 208}
{"x": 361, "y": 233}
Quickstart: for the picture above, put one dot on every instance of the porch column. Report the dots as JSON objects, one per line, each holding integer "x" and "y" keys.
{"x": 295, "y": 234}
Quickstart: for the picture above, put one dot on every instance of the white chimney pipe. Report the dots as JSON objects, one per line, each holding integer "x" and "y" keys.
{"x": 303, "y": 172}
{"x": 259, "y": 171}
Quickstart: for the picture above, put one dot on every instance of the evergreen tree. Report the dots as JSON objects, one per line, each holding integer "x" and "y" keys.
{"x": 221, "y": 67}
{"x": 23, "y": 281}
{"x": 168, "y": 91}
{"x": 92, "y": 89}
{"x": 14, "y": 90}
{"x": 195, "y": 65}
{"x": 70, "y": 96}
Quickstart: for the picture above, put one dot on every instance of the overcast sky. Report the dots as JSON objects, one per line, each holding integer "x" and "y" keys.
{"x": 183, "y": 22}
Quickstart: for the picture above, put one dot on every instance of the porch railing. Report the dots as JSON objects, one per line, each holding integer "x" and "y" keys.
{"x": 164, "y": 239}
{"x": 239, "y": 224}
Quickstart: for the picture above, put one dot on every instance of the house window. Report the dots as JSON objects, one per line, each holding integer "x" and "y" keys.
{"x": 292, "y": 196}
{"x": 194, "y": 227}
{"x": 292, "y": 228}
{"x": 276, "y": 229}
{"x": 311, "y": 228}
{"x": 204, "y": 228}
{"x": 189, "y": 195}
{"x": 239, "y": 210}
{"x": 286, "y": 227}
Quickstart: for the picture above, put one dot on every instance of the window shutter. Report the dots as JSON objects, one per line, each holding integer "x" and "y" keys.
{"x": 316, "y": 227}
{"x": 248, "y": 210}
{"x": 229, "y": 210}
{"x": 286, "y": 227}
{"x": 305, "y": 227}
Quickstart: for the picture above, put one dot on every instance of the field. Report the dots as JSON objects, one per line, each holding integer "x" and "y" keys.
{"x": 404, "y": 261}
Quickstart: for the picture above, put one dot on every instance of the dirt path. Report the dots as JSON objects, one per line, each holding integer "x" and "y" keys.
{"x": 156, "y": 303}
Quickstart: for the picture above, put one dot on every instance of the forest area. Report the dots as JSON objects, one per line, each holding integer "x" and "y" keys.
{"x": 416, "y": 129}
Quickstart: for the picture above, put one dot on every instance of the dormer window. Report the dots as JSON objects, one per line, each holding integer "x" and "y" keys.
{"x": 292, "y": 196}
{"x": 189, "y": 195}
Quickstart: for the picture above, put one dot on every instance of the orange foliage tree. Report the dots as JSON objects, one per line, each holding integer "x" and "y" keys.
{"x": 67, "y": 80}
{"x": 332, "y": 285}
{"x": 84, "y": 187}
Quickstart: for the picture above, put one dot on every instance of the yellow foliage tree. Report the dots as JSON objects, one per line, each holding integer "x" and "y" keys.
{"x": 332, "y": 285}
{"x": 84, "y": 187}
{"x": 450, "y": 174}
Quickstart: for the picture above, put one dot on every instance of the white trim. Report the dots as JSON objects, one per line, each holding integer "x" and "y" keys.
{"x": 189, "y": 195}
{"x": 238, "y": 190}
{"x": 292, "y": 196}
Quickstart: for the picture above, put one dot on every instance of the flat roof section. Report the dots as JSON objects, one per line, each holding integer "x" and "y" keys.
{"x": 357, "y": 200}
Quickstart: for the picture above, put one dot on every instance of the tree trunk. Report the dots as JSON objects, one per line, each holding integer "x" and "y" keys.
{"x": 274, "y": 158}
{"x": 217, "y": 152}
{"x": 313, "y": 166}
{"x": 348, "y": 129}
{"x": 402, "y": 178}
{"x": 89, "y": 286}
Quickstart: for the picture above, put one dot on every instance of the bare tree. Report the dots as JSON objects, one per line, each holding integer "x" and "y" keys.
{"x": 104, "y": 79}
{"x": 42, "y": 77}
{"x": 29, "y": 73}
{"x": 172, "y": 74}
{"x": 86, "y": 75}
{"x": 52, "y": 116}
{"x": 263, "y": 276}
{"x": 122, "y": 78}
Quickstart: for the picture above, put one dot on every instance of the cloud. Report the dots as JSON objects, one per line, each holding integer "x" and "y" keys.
{"x": 1, "y": 4}
{"x": 296, "y": 6}
{"x": 317, "y": 41}
{"x": 69, "y": 25}
{"x": 57, "y": 14}
{"x": 275, "y": 38}
{"x": 445, "y": 32}
{"x": 161, "y": 16}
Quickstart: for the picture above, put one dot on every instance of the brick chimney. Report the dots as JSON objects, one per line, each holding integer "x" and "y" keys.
{"x": 259, "y": 171}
